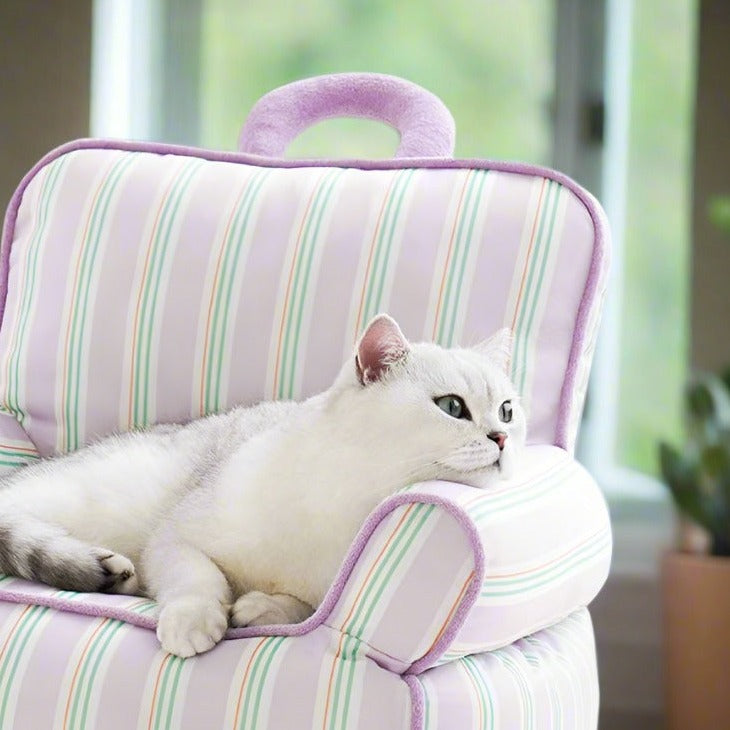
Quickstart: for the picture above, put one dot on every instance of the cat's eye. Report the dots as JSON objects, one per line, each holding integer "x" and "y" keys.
{"x": 453, "y": 405}
{"x": 505, "y": 412}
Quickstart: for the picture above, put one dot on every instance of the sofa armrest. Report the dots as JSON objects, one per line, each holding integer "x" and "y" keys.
{"x": 442, "y": 570}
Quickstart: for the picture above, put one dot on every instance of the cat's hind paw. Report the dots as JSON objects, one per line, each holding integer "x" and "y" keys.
{"x": 261, "y": 609}
{"x": 119, "y": 574}
{"x": 189, "y": 626}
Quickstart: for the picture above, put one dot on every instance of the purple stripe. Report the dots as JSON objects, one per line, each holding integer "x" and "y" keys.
{"x": 424, "y": 229}
{"x": 385, "y": 703}
{"x": 209, "y": 684}
{"x": 121, "y": 688}
{"x": 328, "y": 332}
{"x": 298, "y": 679}
{"x": 181, "y": 311}
{"x": 253, "y": 326}
{"x": 497, "y": 256}
{"x": 140, "y": 185}
{"x": 37, "y": 700}
{"x": 45, "y": 325}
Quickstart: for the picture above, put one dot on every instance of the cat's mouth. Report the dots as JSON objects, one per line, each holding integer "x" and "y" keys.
{"x": 472, "y": 469}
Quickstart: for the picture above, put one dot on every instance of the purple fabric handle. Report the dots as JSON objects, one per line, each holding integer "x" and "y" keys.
{"x": 425, "y": 125}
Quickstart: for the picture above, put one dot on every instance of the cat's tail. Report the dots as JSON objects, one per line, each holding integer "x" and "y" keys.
{"x": 35, "y": 550}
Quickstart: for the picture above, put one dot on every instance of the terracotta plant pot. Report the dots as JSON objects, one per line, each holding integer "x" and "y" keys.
{"x": 696, "y": 603}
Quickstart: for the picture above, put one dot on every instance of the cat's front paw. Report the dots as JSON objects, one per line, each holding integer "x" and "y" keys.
{"x": 261, "y": 609}
{"x": 189, "y": 626}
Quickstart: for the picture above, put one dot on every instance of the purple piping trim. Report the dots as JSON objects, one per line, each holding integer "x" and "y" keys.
{"x": 318, "y": 618}
{"x": 418, "y": 701}
{"x": 599, "y": 260}
{"x": 64, "y": 604}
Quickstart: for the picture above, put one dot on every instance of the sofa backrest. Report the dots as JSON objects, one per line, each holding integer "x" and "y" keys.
{"x": 144, "y": 283}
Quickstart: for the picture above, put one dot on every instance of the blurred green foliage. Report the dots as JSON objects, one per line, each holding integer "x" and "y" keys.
{"x": 655, "y": 338}
{"x": 492, "y": 63}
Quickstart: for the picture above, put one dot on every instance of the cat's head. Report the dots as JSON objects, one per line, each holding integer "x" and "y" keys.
{"x": 445, "y": 413}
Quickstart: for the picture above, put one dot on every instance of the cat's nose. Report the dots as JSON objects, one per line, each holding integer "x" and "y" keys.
{"x": 499, "y": 437}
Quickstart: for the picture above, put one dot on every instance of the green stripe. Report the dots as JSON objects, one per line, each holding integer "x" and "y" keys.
{"x": 538, "y": 285}
{"x": 346, "y": 666}
{"x": 256, "y": 681}
{"x": 485, "y": 696}
{"x": 536, "y": 273}
{"x": 384, "y": 245}
{"x": 30, "y": 283}
{"x": 386, "y": 567}
{"x": 299, "y": 285}
{"x": 556, "y": 707}
{"x": 10, "y": 454}
{"x": 170, "y": 678}
{"x": 498, "y": 587}
{"x": 522, "y": 685}
{"x": 173, "y": 691}
{"x": 463, "y": 235}
{"x": 9, "y": 666}
{"x": 151, "y": 288}
{"x": 481, "y": 178}
{"x": 489, "y": 507}
{"x": 80, "y": 309}
{"x": 89, "y": 673}
{"x": 222, "y": 308}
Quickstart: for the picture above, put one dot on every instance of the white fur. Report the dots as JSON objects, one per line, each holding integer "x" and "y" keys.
{"x": 267, "y": 500}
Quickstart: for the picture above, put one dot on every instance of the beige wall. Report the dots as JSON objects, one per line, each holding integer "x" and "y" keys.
{"x": 45, "y": 62}
{"x": 710, "y": 319}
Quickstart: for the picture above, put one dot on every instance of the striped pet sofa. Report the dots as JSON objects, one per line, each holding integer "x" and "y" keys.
{"x": 145, "y": 283}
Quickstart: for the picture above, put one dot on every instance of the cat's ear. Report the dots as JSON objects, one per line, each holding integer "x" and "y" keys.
{"x": 498, "y": 348}
{"x": 381, "y": 346}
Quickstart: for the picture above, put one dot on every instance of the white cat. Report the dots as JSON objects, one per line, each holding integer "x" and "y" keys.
{"x": 247, "y": 515}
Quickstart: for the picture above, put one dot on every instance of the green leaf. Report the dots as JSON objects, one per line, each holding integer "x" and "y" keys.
{"x": 719, "y": 212}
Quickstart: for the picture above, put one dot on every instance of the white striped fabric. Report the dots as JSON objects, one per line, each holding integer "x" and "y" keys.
{"x": 547, "y": 681}
{"x": 107, "y": 674}
{"x": 160, "y": 273}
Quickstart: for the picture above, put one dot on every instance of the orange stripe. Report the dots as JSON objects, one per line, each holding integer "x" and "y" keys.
{"x": 24, "y": 449}
{"x": 549, "y": 563}
{"x": 329, "y": 683}
{"x": 529, "y": 253}
{"x": 451, "y": 612}
{"x": 12, "y": 631}
{"x": 78, "y": 667}
{"x": 245, "y": 679}
{"x": 165, "y": 196}
{"x": 77, "y": 269}
{"x": 364, "y": 583}
{"x": 315, "y": 190}
{"x": 358, "y": 321}
{"x": 448, "y": 255}
{"x": 219, "y": 263}
{"x": 156, "y": 688}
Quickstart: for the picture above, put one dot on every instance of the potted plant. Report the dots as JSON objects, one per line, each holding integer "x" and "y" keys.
{"x": 696, "y": 577}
